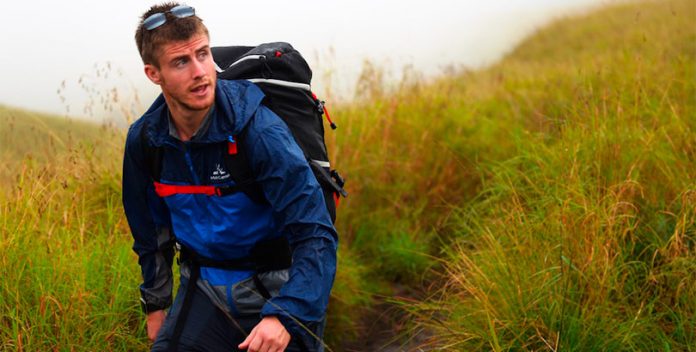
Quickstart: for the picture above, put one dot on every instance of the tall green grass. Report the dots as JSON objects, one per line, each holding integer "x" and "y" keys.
{"x": 31, "y": 137}
{"x": 584, "y": 239}
{"x": 68, "y": 274}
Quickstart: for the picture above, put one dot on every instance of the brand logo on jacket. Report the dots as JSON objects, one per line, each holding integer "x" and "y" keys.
{"x": 219, "y": 174}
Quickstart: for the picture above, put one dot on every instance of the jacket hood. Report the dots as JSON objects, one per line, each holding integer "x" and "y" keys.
{"x": 236, "y": 103}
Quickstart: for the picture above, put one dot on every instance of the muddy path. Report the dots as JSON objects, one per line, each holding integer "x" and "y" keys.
{"x": 387, "y": 327}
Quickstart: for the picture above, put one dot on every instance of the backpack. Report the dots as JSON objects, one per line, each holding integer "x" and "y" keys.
{"x": 284, "y": 77}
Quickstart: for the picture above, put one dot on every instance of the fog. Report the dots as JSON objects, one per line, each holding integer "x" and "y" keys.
{"x": 62, "y": 57}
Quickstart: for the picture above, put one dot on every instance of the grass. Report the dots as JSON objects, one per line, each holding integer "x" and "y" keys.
{"x": 29, "y": 137}
{"x": 68, "y": 269}
{"x": 584, "y": 238}
{"x": 544, "y": 203}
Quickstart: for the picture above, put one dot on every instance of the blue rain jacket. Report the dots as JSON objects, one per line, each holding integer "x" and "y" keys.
{"x": 228, "y": 227}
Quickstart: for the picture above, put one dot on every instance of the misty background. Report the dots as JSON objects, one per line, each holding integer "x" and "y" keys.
{"x": 73, "y": 57}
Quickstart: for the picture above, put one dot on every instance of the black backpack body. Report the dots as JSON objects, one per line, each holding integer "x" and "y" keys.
{"x": 285, "y": 78}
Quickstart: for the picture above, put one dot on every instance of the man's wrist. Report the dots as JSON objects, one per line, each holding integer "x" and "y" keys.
{"x": 149, "y": 307}
{"x": 287, "y": 322}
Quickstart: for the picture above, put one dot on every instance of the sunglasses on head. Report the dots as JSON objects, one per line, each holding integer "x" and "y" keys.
{"x": 157, "y": 19}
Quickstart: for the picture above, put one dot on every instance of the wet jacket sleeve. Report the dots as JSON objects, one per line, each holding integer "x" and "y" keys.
{"x": 148, "y": 220}
{"x": 298, "y": 203}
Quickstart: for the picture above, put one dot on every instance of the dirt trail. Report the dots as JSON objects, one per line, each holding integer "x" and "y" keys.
{"x": 386, "y": 328}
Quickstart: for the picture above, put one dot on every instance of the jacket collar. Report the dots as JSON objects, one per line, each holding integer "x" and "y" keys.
{"x": 202, "y": 129}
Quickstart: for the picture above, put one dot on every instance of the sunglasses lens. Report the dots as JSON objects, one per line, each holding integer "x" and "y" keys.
{"x": 158, "y": 19}
{"x": 154, "y": 21}
{"x": 182, "y": 11}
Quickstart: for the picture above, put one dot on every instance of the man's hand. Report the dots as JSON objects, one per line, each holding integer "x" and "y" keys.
{"x": 154, "y": 323}
{"x": 268, "y": 336}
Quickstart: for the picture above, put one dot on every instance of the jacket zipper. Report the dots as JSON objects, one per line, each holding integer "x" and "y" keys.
{"x": 187, "y": 156}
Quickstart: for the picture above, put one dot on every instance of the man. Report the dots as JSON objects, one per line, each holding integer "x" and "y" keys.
{"x": 225, "y": 301}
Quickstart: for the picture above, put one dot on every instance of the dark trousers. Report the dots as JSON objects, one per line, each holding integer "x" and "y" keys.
{"x": 209, "y": 329}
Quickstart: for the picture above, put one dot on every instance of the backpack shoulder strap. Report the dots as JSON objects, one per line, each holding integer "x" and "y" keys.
{"x": 237, "y": 164}
{"x": 151, "y": 154}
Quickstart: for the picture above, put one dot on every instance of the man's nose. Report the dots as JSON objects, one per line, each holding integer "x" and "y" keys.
{"x": 198, "y": 69}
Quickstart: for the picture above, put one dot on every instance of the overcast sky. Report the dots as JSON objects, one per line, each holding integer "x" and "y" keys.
{"x": 53, "y": 50}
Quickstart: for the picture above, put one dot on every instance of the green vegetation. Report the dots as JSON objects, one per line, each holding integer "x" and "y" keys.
{"x": 67, "y": 267}
{"x": 545, "y": 203}
{"x": 582, "y": 236}
{"x": 35, "y": 137}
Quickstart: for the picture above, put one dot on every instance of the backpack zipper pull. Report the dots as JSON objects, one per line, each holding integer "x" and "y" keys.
{"x": 321, "y": 107}
{"x": 328, "y": 118}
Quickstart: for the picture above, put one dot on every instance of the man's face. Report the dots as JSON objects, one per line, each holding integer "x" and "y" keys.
{"x": 186, "y": 74}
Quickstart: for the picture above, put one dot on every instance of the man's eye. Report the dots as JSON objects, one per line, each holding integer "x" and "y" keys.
{"x": 202, "y": 55}
{"x": 180, "y": 62}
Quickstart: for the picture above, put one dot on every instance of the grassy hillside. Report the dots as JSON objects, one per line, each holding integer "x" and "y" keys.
{"x": 29, "y": 136}
{"x": 582, "y": 235}
{"x": 552, "y": 194}
{"x": 545, "y": 203}
{"x": 66, "y": 263}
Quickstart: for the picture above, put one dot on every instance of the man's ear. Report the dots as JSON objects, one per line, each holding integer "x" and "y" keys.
{"x": 153, "y": 73}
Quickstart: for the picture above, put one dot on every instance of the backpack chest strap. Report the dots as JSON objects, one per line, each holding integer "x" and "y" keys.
{"x": 165, "y": 190}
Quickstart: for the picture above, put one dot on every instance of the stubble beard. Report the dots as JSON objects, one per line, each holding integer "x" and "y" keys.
{"x": 183, "y": 104}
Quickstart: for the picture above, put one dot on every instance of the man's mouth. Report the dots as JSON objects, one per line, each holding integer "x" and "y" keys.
{"x": 200, "y": 90}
